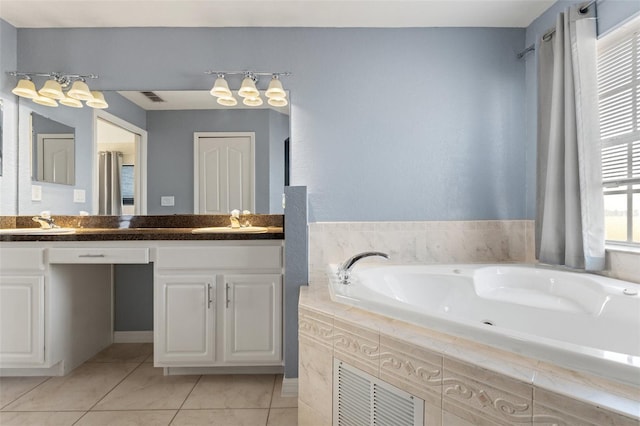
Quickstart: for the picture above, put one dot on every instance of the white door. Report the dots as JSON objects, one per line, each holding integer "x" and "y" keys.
{"x": 57, "y": 162}
{"x": 21, "y": 320}
{"x": 184, "y": 320}
{"x": 224, "y": 173}
{"x": 253, "y": 318}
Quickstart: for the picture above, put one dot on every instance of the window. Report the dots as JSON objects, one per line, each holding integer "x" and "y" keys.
{"x": 127, "y": 179}
{"x": 619, "y": 104}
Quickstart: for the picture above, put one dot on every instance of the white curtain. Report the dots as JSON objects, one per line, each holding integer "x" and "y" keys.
{"x": 570, "y": 211}
{"x": 109, "y": 189}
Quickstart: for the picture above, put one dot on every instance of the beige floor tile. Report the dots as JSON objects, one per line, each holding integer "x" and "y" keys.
{"x": 228, "y": 417}
{"x": 279, "y": 401}
{"x": 127, "y": 418}
{"x": 283, "y": 417}
{"x": 148, "y": 389}
{"x": 11, "y": 388}
{"x": 231, "y": 391}
{"x": 79, "y": 390}
{"x": 124, "y": 352}
{"x": 40, "y": 418}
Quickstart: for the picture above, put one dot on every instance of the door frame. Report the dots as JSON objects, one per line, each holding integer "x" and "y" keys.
{"x": 141, "y": 160}
{"x": 196, "y": 163}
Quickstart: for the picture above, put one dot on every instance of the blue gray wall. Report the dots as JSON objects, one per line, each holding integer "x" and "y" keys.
{"x": 9, "y": 147}
{"x": 429, "y": 120}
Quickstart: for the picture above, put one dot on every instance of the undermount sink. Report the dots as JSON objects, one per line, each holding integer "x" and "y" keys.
{"x": 228, "y": 229}
{"x": 37, "y": 231}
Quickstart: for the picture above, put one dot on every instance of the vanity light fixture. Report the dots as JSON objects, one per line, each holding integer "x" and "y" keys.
{"x": 71, "y": 102}
{"x": 68, "y": 89}
{"x": 98, "y": 101}
{"x": 80, "y": 91}
{"x": 52, "y": 89}
{"x": 252, "y": 101}
{"x": 248, "y": 88}
{"x": 221, "y": 88}
{"x": 25, "y": 88}
{"x": 275, "y": 93}
{"x": 43, "y": 100}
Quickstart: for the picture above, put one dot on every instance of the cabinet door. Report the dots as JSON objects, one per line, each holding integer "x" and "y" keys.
{"x": 184, "y": 320}
{"x": 253, "y": 319}
{"x": 21, "y": 320}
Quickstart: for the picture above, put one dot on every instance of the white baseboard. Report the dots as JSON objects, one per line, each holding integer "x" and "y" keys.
{"x": 185, "y": 371}
{"x": 289, "y": 387}
{"x": 133, "y": 336}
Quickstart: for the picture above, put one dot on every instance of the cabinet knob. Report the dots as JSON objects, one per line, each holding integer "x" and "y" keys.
{"x": 227, "y": 294}
{"x": 209, "y": 299}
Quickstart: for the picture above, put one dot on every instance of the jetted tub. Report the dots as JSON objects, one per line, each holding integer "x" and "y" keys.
{"x": 576, "y": 320}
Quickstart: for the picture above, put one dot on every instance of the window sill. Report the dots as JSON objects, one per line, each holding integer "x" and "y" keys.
{"x": 622, "y": 248}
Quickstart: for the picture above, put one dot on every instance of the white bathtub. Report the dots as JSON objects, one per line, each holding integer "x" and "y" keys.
{"x": 580, "y": 321}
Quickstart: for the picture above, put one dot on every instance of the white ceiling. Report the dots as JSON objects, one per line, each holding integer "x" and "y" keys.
{"x": 271, "y": 13}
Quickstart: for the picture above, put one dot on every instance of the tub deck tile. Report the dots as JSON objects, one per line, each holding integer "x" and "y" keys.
{"x": 473, "y": 392}
{"x": 551, "y": 408}
{"x": 413, "y": 369}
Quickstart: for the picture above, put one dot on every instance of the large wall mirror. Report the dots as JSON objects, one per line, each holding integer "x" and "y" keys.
{"x": 1, "y": 127}
{"x": 53, "y": 151}
{"x": 157, "y": 156}
{"x": 173, "y": 121}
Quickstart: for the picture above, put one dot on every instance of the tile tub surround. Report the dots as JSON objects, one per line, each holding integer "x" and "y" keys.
{"x": 423, "y": 242}
{"x": 485, "y": 241}
{"x": 462, "y": 382}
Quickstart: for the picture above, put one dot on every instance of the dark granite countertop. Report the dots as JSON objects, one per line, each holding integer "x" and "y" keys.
{"x": 132, "y": 228}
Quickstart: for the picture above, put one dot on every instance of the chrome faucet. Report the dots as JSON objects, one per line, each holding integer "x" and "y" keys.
{"x": 46, "y": 222}
{"x": 344, "y": 270}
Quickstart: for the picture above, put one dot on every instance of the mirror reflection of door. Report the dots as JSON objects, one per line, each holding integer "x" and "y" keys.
{"x": 56, "y": 161}
{"x": 113, "y": 136}
{"x": 224, "y": 172}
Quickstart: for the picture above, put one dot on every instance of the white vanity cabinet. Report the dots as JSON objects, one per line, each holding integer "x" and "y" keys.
{"x": 22, "y": 294}
{"x": 218, "y": 304}
{"x": 253, "y": 318}
{"x": 185, "y": 319}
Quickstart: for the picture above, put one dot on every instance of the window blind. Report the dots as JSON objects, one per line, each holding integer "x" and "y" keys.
{"x": 619, "y": 105}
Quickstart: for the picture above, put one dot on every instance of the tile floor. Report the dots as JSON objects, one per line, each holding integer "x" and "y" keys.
{"x": 120, "y": 386}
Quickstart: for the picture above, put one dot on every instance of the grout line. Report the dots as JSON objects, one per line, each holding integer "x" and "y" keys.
{"x": 25, "y": 392}
{"x": 273, "y": 391}
{"x": 185, "y": 399}
{"x": 109, "y": 391}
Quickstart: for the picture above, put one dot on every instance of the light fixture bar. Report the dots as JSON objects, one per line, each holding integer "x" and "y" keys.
{"x": 51, "y": 74}
{"x": 284, "y": 74}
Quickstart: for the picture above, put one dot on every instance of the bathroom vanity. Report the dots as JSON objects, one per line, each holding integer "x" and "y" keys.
{"x": 217, "y": 297}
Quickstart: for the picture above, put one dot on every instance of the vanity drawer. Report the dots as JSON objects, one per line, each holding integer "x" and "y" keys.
{"x": 21, "y": 259}
{"x": 245, "y": 257}
{"x": 99, "y": 255}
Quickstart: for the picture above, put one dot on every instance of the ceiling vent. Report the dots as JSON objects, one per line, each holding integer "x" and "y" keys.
{"x": 153, "y": 97}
